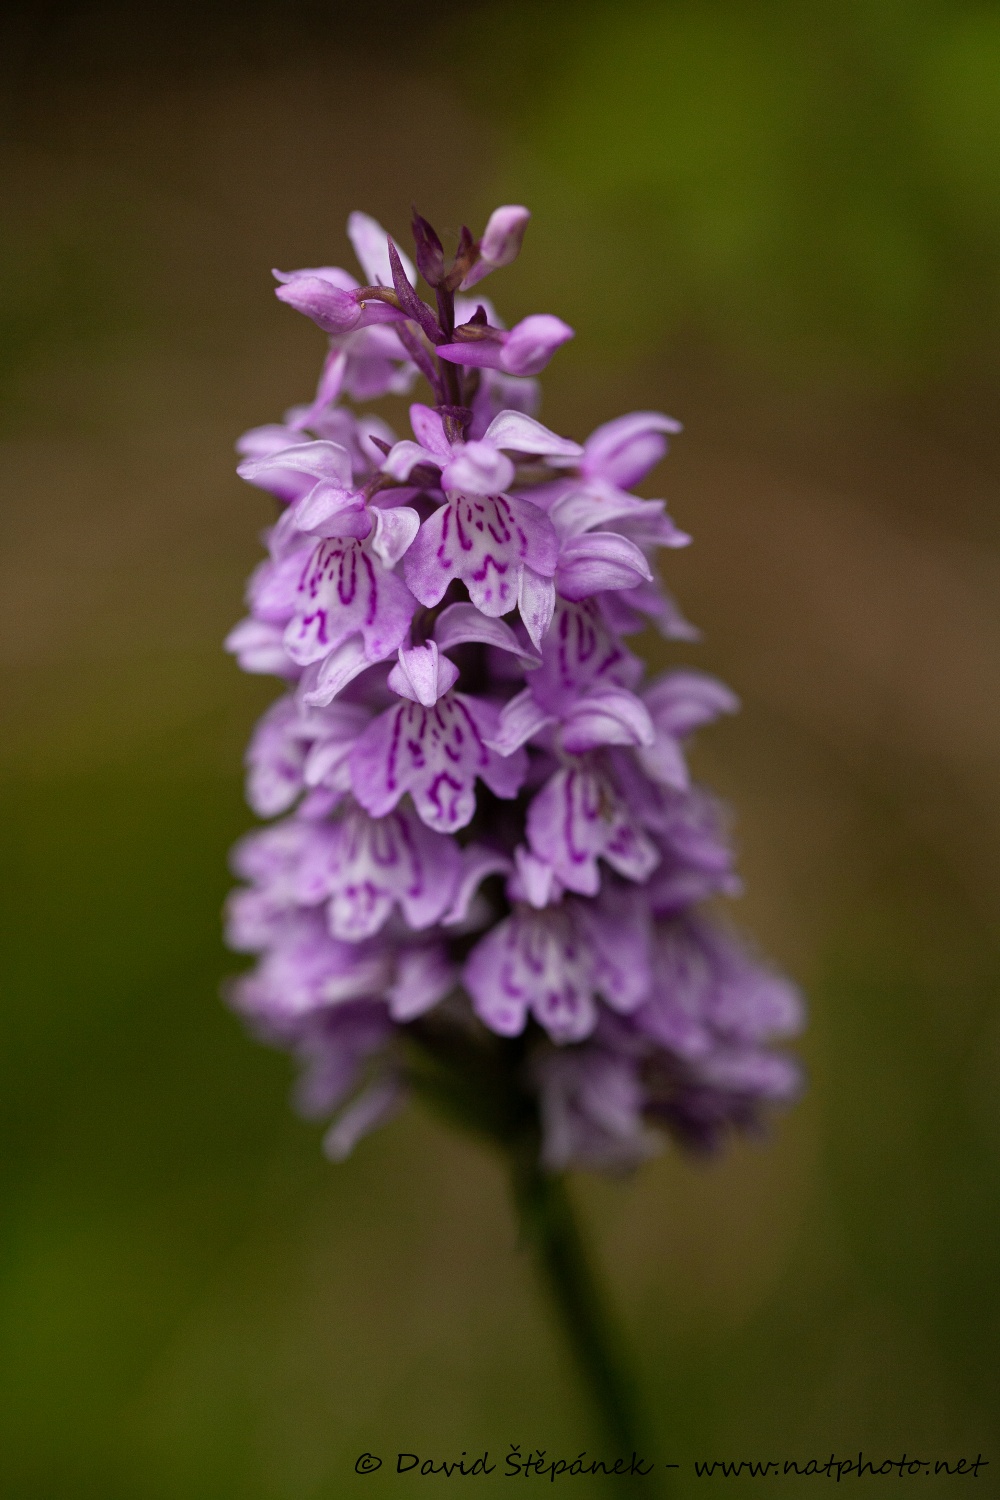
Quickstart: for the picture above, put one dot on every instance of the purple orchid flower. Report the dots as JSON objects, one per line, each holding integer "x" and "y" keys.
{"x": 485, "y": 818}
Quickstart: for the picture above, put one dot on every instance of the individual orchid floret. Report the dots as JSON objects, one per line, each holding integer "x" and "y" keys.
{"x": 432, "y": 747}
{"x": 422, "y": 674}
{"x": 595, "y": 496}
{"x": 259, "y": 647}
{"x": 344, "y": 590}
{"x": 501, "y": 241}
{"x": 555, "y": 965}
{"x": 577, "y": 819}
{"x": 504, "y": 550}
{"x": 333, "y": 299}
{"x": 362, "y": 867}
{"x": 295, "y": 750}
{"x": 354, "y": 433}
{"x": 317, "y": 479}
{"x": 598, "y": 562}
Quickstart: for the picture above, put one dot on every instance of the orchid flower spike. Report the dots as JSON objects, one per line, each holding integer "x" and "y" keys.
{"x": 484, "y": 845}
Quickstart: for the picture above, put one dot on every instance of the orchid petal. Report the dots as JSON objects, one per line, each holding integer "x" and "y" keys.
{"x": 597, "y": 561}
{"x": 423, "y": 977}
{"x": 342, "y": 665}
{"x": 460, "y": 624}
{"x": 682, "y": 701}
{"x": 373, "y": 1107}
{"x": 428, "y": 429}
{"x": 369, "y": 240}
{"x": 501, "y": 241}
{"x": 522, "y": 434}
{"x": 478, "y": 468}
{"x": 422, "y": 674}
{"x": 520, "y": 720}
{"x": 607, "y": 716}
{"x": 404, "y": 457}
{"x": 259, "y": 647}
{"x": 477, "y": 863}
{"x": 624, "y": 450}
{"x": 395, "y": 530}
{"x": 331, "y": 308}
{"x": 536, "y": 602}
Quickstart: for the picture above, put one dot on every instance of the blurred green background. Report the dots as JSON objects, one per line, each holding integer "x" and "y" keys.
{"x": 781, "y": 223}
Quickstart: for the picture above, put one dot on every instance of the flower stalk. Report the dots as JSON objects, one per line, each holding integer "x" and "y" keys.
{"x": 549, "y": 1227}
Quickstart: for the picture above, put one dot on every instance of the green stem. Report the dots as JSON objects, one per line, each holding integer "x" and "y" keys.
{"x": 549, "y": 1225}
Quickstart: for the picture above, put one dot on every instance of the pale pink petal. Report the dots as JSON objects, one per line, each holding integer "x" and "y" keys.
{"x": 477, "y": 863}
{"x": 597, "y": 561}
{"x": 536, "y": 603}
{"x": 372, "y": 1108}
{"x": 404, "y": 458}
{"x": 501, "y": 241}
{"x": 460, "y": 624}
{"x": 422, "y": 674}
{"x": 534, "y": 880}
{"x": 323, "y": 682}
{"x": 606, "y": 716}
{"x": 428, "y": 429}
{"x": 531, "y": 344}
{"x": 520, "y": 719}
{"x": 370, "y": 242}
{"x": 624, "y": 450}
{"x": 331, "y": 308}
{"x": 395, "y": 530}
{"x": 683, "y": 701}
{"x": 260, "y": 647}
{"x": 478, "y": 468}
{"x": 522, "y": 434}
{"x": 423, "y": 977}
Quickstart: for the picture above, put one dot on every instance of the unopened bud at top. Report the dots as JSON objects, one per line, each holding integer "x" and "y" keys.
{"x": 501, "y": 241}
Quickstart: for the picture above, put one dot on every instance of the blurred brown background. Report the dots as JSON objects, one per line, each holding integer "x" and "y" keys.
{"x": 778, "y": 222}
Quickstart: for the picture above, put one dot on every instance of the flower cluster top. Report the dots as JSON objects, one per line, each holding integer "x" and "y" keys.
{"x": 483, "y": 812}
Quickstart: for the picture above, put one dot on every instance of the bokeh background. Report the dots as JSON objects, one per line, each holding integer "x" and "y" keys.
{"x": 778, "y": 220}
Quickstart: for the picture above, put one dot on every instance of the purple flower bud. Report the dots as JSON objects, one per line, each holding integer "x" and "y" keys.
{"x": 501, "y": 241}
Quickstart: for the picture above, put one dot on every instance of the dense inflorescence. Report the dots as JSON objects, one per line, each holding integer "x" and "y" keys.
{"x": 486, "y": 841}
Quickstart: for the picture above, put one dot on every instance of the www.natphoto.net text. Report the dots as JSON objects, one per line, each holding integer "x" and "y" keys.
{"x": 536, "y": 1463}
